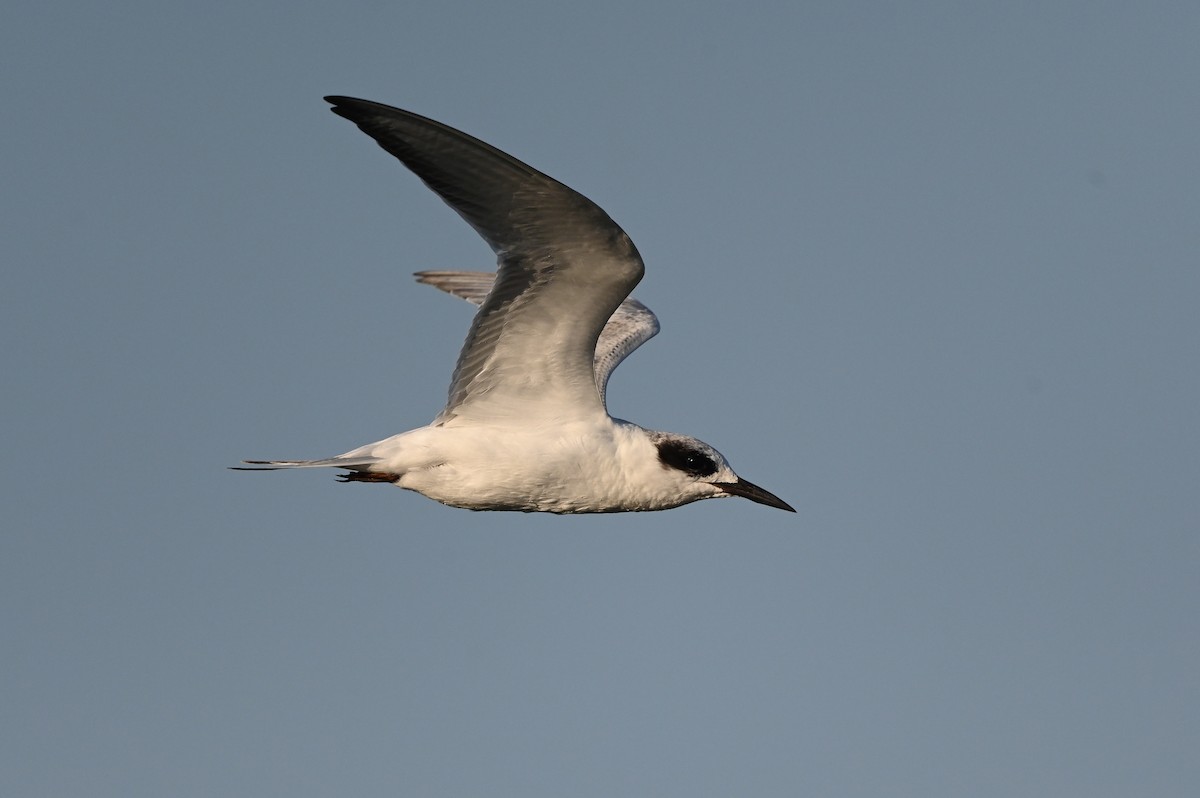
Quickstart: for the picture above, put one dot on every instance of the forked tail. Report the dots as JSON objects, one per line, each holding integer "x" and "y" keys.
{"x": 358, "y": 468}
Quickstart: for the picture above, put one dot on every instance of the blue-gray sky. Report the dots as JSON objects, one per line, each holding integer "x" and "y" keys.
{"x": 929, "y": 271}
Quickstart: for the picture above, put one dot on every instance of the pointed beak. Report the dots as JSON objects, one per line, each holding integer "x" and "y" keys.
{"x": 754, "y": 493}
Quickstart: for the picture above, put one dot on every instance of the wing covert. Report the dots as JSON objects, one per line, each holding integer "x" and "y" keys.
{"x": 631, "y": 324}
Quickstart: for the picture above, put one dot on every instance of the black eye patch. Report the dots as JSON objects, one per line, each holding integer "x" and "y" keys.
{"x": 683, "y": 457}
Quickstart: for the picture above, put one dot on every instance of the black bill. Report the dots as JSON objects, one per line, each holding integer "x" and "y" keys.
{"x": 754, "y": 493}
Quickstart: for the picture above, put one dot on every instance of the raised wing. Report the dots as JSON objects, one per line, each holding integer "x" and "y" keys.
{"x": 630, "y": 326}
{"x": 564, "y": 268}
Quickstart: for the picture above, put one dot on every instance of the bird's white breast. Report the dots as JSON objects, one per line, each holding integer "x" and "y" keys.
{"x": 576, "y": 467}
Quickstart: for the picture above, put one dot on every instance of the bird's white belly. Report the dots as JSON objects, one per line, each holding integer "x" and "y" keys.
{"x": 577, "y": 469}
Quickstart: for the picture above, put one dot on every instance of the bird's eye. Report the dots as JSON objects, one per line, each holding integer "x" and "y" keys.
{"x": 683, "y": 457}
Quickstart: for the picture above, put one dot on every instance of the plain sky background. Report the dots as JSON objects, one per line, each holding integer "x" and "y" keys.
{"x": 929, "y": 271}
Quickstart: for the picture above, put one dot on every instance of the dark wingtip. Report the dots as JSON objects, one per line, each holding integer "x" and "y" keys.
{"x": 351, "y": 108}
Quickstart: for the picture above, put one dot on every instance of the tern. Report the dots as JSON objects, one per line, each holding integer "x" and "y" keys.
{"x": 525, "y": 426}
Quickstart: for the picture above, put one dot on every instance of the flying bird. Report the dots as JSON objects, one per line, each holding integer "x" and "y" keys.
{"x": 525, "y": 426}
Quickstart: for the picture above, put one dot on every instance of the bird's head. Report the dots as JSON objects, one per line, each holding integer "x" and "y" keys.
{"x": 701, "y": 472}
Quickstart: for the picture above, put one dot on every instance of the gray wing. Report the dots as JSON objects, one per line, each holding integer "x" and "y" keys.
{"x": 564, "y": 268}
{"x": 630, "y": 326}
